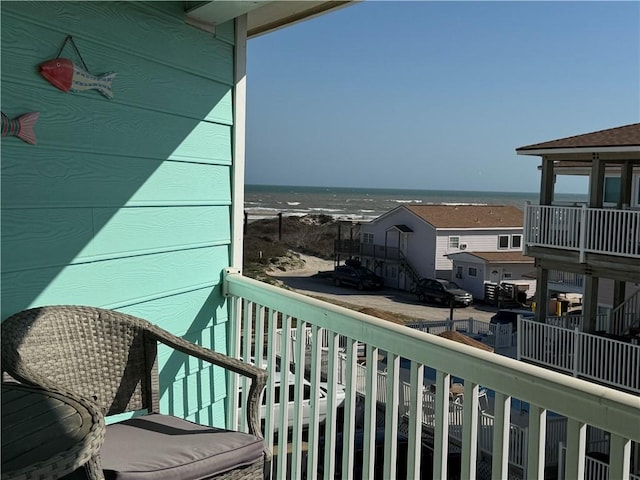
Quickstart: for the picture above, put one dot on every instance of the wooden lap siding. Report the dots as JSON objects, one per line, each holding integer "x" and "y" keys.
{"x": 123, "y": 203}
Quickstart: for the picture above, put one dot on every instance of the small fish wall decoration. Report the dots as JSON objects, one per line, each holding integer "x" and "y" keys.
{"x": 67, "y": 76}
{"x": 21, "y": 127}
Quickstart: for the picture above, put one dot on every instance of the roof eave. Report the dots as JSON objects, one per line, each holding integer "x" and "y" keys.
{"x": 577, "y": 150}
{"x": 263, "y": 16}
{"x": 280, "y": 14}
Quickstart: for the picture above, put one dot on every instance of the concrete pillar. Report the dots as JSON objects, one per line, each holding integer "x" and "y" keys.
{"x": 619, "y": 294}
{"x": 626, "y": 185}
{"x": 547, "y": 181}
{"x": 590, "y": 303}
{"x": 542, "y": 293}
{"x": 596, "y": 182}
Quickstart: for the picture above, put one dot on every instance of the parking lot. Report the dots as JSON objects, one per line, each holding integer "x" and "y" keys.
{"x": 307, "y": 281}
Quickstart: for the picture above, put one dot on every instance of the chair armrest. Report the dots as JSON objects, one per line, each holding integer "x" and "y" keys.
{"x": 257, "y": 375}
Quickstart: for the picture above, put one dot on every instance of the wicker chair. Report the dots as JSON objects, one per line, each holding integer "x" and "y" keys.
{"x": 110, "y": 358}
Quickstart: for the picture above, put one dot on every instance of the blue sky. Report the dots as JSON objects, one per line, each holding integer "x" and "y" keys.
{"x": 437, "y": 95}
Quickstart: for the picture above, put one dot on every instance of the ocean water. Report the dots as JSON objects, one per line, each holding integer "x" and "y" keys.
{"x": 367, "y": 203}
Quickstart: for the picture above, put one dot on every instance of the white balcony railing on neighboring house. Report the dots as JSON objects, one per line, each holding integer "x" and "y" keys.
{"x": 580, "y": 354}
{"x": 567, "y": 279}
{"x": 585, "y": 230}
{"x": 594, "y": 469}
{"x": 577, "y": 321}
{"x": 626, "y": 315}
{"x": 258, "y": 310}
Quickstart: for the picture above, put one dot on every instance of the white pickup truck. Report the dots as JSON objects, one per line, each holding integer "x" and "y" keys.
{"x": 322, "y": 399}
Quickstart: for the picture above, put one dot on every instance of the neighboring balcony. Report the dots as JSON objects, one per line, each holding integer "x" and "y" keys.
{"x": 583, "y": 230}
{"x": 380, "y": 252}
{"x": 480, "y": 410}
{"x": 561, "y": 345}
{"x": 568, "y": 280}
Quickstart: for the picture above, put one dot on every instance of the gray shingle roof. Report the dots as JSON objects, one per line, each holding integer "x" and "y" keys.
{"x": 469, "y": 216}
{"x": 503, "y": 257}
{"x": 624, "y": 136}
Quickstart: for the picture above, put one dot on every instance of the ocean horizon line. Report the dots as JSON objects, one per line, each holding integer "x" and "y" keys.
{"x": 392, "y": 189}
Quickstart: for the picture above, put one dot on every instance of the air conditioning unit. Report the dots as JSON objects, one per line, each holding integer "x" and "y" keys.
{"x": 462, "y": 246}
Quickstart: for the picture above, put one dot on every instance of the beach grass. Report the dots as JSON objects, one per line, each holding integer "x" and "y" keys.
{"x": 269, "y": 242}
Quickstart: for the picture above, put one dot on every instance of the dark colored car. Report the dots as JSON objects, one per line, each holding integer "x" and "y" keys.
{"x": 442, "y": 291}
{"x": 357, "y": 276}
{"x": 426, "y": 463}
{"x": 503, "y": 317}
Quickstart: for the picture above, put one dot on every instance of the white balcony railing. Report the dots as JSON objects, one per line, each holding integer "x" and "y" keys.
{"x": 585, "y": 230}
{"x": 259, "y": 310}
{"x": 568, "y": 279}
{"x": 564, "y": 347}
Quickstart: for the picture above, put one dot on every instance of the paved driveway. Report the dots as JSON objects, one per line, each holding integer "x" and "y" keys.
{"x": 391, "y": 300}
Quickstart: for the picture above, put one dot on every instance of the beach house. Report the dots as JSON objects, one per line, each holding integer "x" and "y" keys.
{"x": 470, "y": 244}
{"x": 133, "y": 202}
{"x": 594, "y": 247}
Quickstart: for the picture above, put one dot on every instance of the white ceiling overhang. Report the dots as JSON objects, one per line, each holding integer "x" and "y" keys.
{"x": 263, "y": 16}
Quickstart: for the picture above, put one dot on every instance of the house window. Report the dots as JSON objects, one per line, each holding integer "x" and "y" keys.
{"x": 454, "y": 242}
{"x": 458, "y": 272}
{"x": 473, "y": 272}
{"x": 506, "y": 275}
{"x": 516, "y": 241}
{"x": 503, "y": 241}
{"x": 611, "y": 189}
{"x": 367, "y": 238}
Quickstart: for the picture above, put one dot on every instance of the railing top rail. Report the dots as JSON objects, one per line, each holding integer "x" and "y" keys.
{"x": 630, "y": 211}
{"x": 612, "y": 410}
{"x": 550, "y": 326}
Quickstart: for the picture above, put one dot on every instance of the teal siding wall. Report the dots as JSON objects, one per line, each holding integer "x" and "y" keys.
{"x": 124, "y": 203}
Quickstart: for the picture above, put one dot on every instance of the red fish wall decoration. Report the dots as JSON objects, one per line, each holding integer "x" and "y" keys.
{"x": 62, "y": 73}
{"x": 67, "y": 76}
{"x": 21, "y": 127}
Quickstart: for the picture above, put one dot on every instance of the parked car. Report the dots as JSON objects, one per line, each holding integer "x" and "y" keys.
{"x": 442, "y": 291}
{"x": 322, "y": 394}
{"x": 506, "y": 316}
{"x": 357, "y": 276}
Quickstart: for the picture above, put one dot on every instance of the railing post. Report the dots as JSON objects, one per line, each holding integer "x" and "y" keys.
{"x": 583, "y": 233}
{"x": 576, "y": 350}
{"x": 561, "y": 461}
{"x": 519, "y": 338}
{"x": 525, "y": 228}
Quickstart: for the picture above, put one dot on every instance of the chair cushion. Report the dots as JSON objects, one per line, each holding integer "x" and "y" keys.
{"x": 163, "y": 446}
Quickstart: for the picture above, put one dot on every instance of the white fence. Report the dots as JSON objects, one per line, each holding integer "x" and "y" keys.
{"x": 498, "y": 336}
{"x": 577, "y": 321}
{"x": 580, "y": 354}
{"x": 626, "y": 315}
{"x": 594, "y": 469}
{"x": 593, "y": 230}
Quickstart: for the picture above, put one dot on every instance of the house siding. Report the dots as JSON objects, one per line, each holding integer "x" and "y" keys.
{"x": 427, "y": 247}
{"x": 123, "y": 203}
{"x": 475, "y": 285}
{"x": 476, "y": 241}
{"x": 420, "y": 243}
